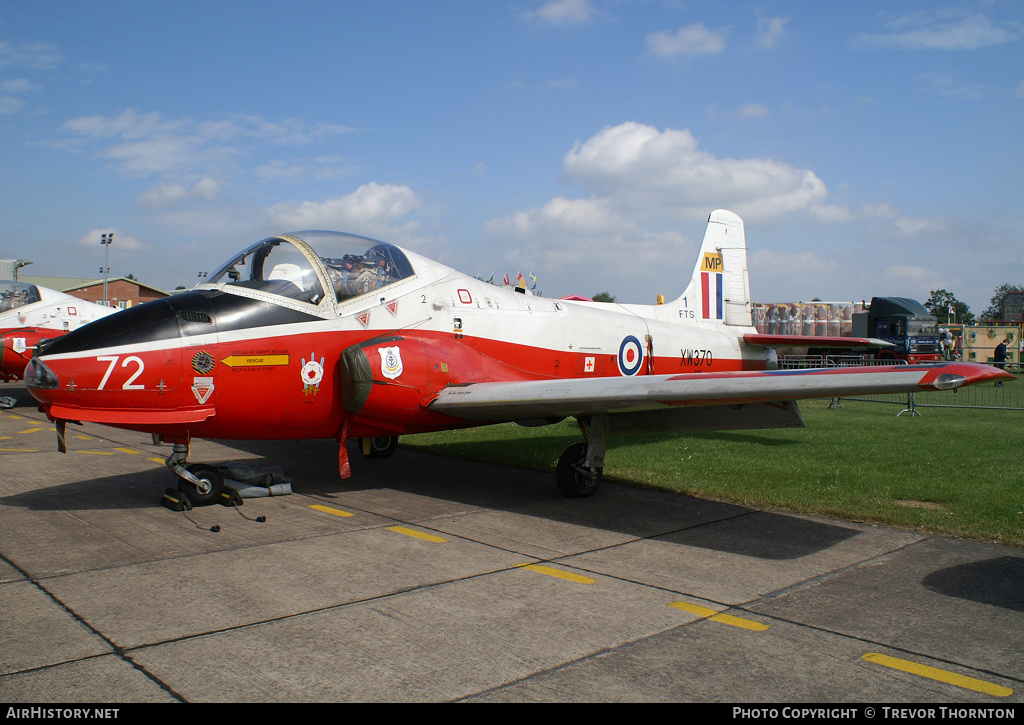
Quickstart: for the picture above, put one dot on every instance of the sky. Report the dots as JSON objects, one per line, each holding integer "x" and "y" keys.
{"x": 872, "y": 148}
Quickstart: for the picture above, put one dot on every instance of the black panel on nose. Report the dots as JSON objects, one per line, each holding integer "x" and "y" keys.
{"x": 150, "y": 322}
{"x": 188, "y": 314}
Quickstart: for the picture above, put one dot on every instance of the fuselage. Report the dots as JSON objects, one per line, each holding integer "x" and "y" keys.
{"x": 288, "y": 342}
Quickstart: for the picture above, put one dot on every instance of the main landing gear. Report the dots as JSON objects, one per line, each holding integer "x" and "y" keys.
{"x": 579, "y": 469}
{"x": 378, "y": 446}
{"x": 202, "y": 484}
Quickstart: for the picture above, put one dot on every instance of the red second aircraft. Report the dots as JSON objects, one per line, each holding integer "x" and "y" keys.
{"x": 328, "y": 335}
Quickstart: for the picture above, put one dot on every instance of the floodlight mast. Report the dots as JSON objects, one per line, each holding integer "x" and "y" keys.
{"x": 106, "y": 240}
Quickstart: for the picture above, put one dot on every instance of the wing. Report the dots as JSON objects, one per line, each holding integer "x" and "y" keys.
{"x": 541, "y": 399}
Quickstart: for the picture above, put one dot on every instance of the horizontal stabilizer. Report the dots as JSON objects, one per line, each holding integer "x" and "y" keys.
{"x": 758, "y": 340}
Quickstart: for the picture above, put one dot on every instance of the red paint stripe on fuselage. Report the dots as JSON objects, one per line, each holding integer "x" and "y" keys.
{"x": 259, "y": 390}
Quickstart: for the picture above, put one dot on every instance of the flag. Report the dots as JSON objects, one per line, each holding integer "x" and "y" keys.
{"x": 533, "y": 278}
{"x": 506, "y": 280}
{"x": 712, "y": 294}
{"x": 520, "y": 281}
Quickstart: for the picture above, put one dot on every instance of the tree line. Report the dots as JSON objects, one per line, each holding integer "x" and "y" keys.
{"x": 942, "y": 300}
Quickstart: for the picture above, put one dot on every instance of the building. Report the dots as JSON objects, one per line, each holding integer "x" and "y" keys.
{"x": 121, "y": 291}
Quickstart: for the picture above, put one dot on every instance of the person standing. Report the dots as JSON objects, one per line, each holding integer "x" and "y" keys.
{"x": 999, "y": 358}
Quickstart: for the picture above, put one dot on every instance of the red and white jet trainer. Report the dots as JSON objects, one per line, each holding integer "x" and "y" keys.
{"x": 30, "y": 313}
{"x": 328, "y": 335}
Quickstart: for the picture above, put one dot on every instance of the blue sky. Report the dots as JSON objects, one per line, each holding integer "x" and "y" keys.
{"x": 872, "y": 148}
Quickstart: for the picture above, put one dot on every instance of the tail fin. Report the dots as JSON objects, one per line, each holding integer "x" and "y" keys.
{"x": 719, "y": 291}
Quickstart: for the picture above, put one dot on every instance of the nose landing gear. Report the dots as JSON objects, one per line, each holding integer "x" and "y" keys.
{"x": 201, "y": 484}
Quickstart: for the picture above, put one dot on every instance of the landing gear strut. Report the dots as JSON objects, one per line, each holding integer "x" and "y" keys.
{"x": 202, "y": 484}
{"x": 579, "y": 469}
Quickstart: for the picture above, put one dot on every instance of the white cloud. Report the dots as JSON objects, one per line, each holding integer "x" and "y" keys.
{"x": 941, "y": 30}
{"x": 643, "y": 184}
{"x": 373, "y": 209}
{"x": 770, "y": 264}
{"x": 167, "y": 195}
{"x": 830, "y": 214}
{"x": 753, "y": 110}
{"x": 563, "y": 12}
{"x": 561, "y": 216}
{"x": 20, "y": 85}
{"x": 693, "y": 39}
{"x": 129, "y": 125}
{"x": 145, "y": 144}
{"x": 38, "y": 56}
{"x": 916, "y": 282}
{"x": 10, "y": 105}
{"x": 321, "y": 167}
{"x": 646, "y": 173}
{"x": 584, "y": 244}
{"x": 770, "y": 30}
{"x": 122, "y": 242}
{"x": 903, "y": 225}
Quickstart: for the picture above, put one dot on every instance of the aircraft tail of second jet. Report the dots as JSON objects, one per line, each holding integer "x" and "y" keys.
{"x": 719, "y": 290}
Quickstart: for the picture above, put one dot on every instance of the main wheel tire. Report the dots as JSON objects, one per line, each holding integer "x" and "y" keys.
{"x": 211, "y": 485}
{"x": 381, "y": 446}
{"x": 571, "y": 481}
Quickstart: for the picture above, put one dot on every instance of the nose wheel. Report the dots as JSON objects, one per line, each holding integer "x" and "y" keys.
{"x": 202, "y": 484}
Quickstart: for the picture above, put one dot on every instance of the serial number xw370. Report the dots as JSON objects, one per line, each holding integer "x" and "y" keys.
{"x": 696, "y": 358}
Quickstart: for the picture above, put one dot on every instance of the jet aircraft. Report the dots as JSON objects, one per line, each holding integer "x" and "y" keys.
{"x": 328, "y": 335}
{"x": 30, "y": 313}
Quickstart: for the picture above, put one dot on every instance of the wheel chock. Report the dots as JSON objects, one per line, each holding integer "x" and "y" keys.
{"x": 175, "y": 500}
{"x": 230, "y": 497}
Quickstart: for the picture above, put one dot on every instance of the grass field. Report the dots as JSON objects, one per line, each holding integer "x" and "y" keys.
{"x": 949, "y": 471}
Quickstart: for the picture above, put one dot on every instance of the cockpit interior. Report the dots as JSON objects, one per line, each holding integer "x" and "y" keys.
{"x": 307, "y": 266}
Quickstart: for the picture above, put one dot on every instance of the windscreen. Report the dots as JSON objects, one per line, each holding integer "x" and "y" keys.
{"x": 355, "y": 266}
{"x": 17, "y": 294}
{"x": 922, "y": 326}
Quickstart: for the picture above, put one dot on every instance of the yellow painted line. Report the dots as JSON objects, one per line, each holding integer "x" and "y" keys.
{"x": 127, "y": 450}
{"x": 254, "y": 360}
{"x": 719, "y": 617}
{"x": 329, "y": 510}
{"x": 558, "y": 573}
{"x": 30, "y": 430}
{"x": 5, "y": 438}
{"x": 97, "y": 453}
{"x": 158, "y": 460}
{"x": 417, "y": 534}
{"x": 20, "y": 450}
{"x": 83, "y": 438}
{"x": 934, "y": 673}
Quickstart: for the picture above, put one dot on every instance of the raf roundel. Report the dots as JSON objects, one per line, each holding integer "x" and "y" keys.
{"x": 631, "y": 356}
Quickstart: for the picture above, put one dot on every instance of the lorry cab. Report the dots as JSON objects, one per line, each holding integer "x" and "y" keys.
{"x": 903, "y": 322}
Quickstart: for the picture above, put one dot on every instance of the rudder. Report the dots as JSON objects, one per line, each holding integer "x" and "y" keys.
{"x": 720, "y": 284}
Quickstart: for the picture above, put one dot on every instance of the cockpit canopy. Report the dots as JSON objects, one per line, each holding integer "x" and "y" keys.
{"x": 17, "y": 294}
{"x": 307, "y": 266}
